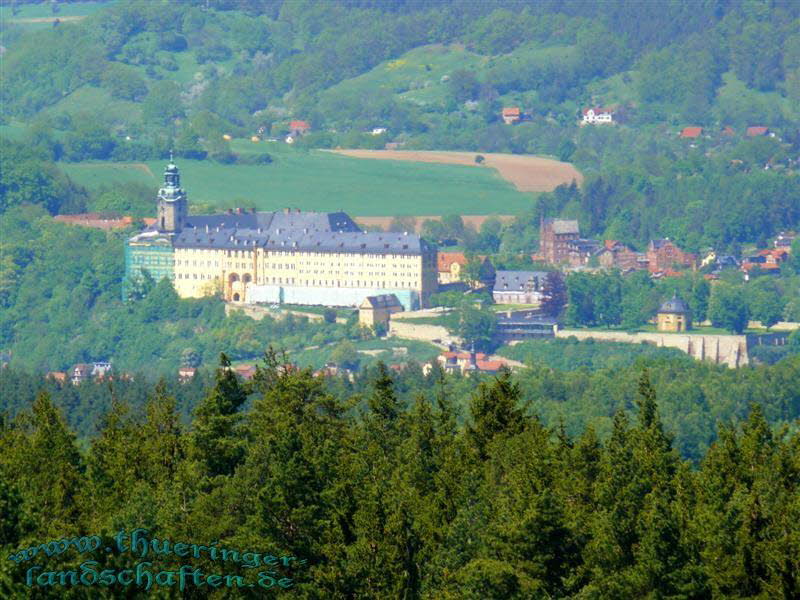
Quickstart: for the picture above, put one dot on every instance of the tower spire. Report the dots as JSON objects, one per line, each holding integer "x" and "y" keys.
{"x": 172, "y": 203}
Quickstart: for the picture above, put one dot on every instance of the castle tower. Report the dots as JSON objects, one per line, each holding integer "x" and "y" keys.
{"x": 172, "y": 204}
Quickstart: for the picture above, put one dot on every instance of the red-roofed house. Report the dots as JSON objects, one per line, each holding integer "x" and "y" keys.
{"x": 186, "y": 373}
{"x": 298, "y": 127}
{"x": 768, "y": 260}
{"x": 469, "y": 361}
{"x": 511, "y": 115}
{"x": 691, "y": 132}
{"x": 245, "y": 371}
{"x": 756, "y": 131}
{"x": 727, "y": 131}
{"x": 449, "y": 265}
{"x": 598, "y": 116}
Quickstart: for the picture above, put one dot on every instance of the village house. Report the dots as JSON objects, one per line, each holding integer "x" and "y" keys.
{"x": 449, "y": 266}
{"x": 80, "y": 373}
{"x": 511, "y": 115}
{"x": 377, "y": 310}
{"x": 297, "y": 129}
{"x": 785, "y": 239}
{"x": 767, "y": 261}
{"x": 581, "y": 251}
{"x": 246, "y": 372}
{"x": 554, "y": 238}
{"x": 691, "y": 132}
{"x": 598, "y": 116}
{"x": 518, "y": 287}
{"x": 378, "y": 130}
{"x": 453, "y": 361}
{"x": 663, "y": 255}
{"x": 185, "y": 374}
{"x": 757, "y": 131}
{"x": 615, "y": 255}
{"x": 86, "y": 371}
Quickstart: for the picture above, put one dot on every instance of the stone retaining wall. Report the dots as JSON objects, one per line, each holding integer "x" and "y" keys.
{"x": 425, "y": 333}
{"x": 730, "y": 350}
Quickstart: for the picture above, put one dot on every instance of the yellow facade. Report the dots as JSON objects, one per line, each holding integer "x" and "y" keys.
{"x": 199, "y": 270}
{"x": 672, "y": 322}
{"x": 451, "y": 276}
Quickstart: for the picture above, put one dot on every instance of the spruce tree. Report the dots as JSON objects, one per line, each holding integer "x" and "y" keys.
{"x": 219, "y": 439}
{"x": 495, "y": 411}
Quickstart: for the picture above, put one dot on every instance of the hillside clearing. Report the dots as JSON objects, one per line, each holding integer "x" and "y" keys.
{"x": 324, "y": 181}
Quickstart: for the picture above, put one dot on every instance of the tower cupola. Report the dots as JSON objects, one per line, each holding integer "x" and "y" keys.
{"x": 172, "y": 202}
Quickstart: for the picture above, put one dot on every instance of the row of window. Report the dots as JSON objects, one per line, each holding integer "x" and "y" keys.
{"x": 196, "y": 276}
{"x": 151, "y": 260}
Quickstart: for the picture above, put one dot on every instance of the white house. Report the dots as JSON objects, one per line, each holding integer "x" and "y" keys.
{"x": 598, "y": 116}
{"x": 378, "y": 130}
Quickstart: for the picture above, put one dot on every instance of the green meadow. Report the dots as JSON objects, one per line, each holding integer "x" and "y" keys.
{"x": 318, "y": 180}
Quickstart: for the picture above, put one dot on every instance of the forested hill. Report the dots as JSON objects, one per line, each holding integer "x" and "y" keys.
{"x": 245, "y": 64}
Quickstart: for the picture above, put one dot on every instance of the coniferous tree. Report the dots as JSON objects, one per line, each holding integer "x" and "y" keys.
{"x": 218, "y": 437}
{"x": 494, "y": 410}
{"x": 50, "y": 470}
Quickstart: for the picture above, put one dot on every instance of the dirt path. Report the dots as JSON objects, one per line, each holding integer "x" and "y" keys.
{"x": 474, "y": 221}
{"x": 527, "y": 173}
{"x": 69, "y": 19}
{"x": 138, "y": 166}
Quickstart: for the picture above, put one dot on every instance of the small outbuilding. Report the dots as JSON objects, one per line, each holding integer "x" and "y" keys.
{"x": 378, "y": 309}
{"x": 674, "y": 315}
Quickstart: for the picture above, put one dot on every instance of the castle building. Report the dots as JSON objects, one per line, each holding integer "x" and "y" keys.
{"x": 285, "y": 256}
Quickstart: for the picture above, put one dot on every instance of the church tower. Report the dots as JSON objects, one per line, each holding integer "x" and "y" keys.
{"x": 172, "y": 203}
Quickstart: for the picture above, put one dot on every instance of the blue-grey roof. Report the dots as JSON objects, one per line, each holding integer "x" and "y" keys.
{"x": 293, "y": 230}
{"x": 519, "y": 281}
{"x": 675, "y": 306}
{"x": 283, "y": 220}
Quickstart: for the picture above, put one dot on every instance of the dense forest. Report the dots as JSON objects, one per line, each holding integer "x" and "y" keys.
{"x": 376, "y": 497}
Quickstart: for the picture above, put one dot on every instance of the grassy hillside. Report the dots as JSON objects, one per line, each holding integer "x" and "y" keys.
{"x": 318, "y": 180}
